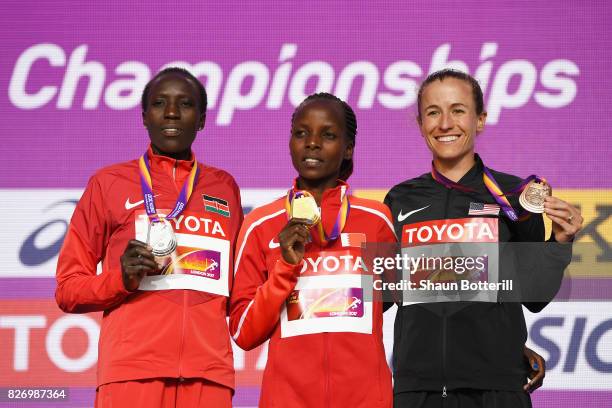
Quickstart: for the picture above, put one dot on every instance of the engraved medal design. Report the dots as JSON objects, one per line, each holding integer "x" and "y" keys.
{"x": 301, "y": 204}
{"x": 532, "y": 197}
{"x": 161, "y": 238}
{"x": 305, "y": 207}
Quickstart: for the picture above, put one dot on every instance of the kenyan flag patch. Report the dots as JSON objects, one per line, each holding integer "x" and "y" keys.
{"x": 216, "y": 205}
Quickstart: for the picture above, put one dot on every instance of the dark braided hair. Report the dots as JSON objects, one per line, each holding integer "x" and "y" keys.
{"x": 452, "y": 73}
{"x": 203, "y": 102}
{"x": 350, "y": 126}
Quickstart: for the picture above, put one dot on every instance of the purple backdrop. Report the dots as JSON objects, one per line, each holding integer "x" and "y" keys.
{"x": 72, "y": 74}
{"x": 546, "y": 90}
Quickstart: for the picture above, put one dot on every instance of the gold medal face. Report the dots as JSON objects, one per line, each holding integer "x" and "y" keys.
{"x": 161, "y": 238}
{"x": 305, "y": 207}
{"x": 532, "y": 197}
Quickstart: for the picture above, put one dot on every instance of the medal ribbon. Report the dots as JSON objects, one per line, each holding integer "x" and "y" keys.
{"x": 147, "y": 189}
{"x": 340, "y": 218}
{"x": 493, "y": 187}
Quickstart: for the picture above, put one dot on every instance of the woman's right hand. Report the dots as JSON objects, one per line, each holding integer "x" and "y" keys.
{"x": 293, "y": 239}
{"x": 137, "y": 262}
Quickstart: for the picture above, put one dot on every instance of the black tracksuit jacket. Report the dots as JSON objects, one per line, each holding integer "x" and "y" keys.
{"x": 475, "y": 345}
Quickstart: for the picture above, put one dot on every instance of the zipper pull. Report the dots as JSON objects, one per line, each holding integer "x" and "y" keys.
{"x": 444, "y": 392}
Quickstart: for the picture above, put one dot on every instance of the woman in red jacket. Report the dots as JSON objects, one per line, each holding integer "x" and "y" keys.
{"x": 298, "y": 279}
{"x": 164, "y": 339}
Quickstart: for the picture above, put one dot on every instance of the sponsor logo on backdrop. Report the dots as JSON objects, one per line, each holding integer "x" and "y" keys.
{"x": 574, "y": 339}
{"x": 32, "y": 253}
{"x": 44, "y": 346}
{"x": 33, "y": 234}
{"x": 509, "y": 84}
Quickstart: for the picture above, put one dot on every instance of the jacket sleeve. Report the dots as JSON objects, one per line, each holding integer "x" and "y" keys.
{"x": 259, "y": 291}
{"x": 236, "y": 222}
{"x": 79, "y": 288}
{"x": 541, "y": 265}
{"x": 386, "y": 236}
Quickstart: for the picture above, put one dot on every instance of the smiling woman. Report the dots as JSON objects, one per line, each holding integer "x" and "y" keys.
{"x": 163, "y": 337}
{"x": 469, "y": 353}
{"x": 451, "y": 115}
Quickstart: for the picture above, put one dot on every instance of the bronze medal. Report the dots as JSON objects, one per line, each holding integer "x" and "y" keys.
{"x": 532, "y": 197}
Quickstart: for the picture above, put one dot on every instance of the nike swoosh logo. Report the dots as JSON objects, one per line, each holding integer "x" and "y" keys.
{"x": 273, "y": 244}
{"x": 129, "y": 206}
{"x": 401, "y": 217}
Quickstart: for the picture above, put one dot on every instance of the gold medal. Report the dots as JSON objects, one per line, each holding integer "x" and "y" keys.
{"x": 305, "y": 207}
{"x": 532, "y": 197}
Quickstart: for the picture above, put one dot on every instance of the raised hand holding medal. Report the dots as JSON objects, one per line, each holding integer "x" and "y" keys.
{"x": 532, "y": 197}
{"x": 308, "y": 208}
{"x": 536, "y": 197}
{"x": 303, "y": 214}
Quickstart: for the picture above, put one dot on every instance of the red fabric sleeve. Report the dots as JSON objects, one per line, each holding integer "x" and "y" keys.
{"x": 258, "y": 294}
{"x": 386, "y": 233}
{"x": 79, "y": 289}
{"x": 236, "y": 222}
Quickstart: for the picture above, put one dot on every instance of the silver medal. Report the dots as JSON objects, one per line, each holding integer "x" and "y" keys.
{"x": 161, "y": 238}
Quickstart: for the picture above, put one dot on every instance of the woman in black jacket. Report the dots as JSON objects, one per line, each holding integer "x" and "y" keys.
{"x": 459, "y": 353}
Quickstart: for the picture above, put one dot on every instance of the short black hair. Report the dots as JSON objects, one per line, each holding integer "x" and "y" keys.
{"x": 350, "y": 125}
{"x": 452, "y": 73}
{"x": 181, "y": 71}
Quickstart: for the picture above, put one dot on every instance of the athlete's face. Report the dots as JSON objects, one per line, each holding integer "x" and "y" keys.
{"x": 318, "y": 142}
{"x": 449, "y": 122}
{"x": 173, "y": 116}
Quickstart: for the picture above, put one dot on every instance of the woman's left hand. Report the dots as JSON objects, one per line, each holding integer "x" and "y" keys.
{"x": 537, "y": 369}
{"x": 566, "y": 219}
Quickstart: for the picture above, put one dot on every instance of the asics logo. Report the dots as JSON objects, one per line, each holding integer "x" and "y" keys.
{"x": 401, "y": 217}
{"x": 273, "y": 244}
{"x": 129, "y": 205}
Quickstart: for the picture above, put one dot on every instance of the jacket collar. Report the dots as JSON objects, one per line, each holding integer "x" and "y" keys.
{"x": 331, "y": 195}
{"x": 474, "y": 174}
{"x": 169, "y": 165}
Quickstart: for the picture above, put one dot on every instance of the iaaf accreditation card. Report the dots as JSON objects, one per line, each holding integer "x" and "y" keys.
{"x": 200, "y": 260}
{"x": 451, "y": 260}
{"x": 330, "y": 295}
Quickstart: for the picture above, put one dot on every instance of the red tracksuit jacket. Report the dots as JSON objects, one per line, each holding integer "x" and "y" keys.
{"x": 146, "y": 334}
{"x": 330, "y": 368}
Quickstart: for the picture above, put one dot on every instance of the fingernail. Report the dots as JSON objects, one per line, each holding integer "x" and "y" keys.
{"x": 535, "y": 366}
